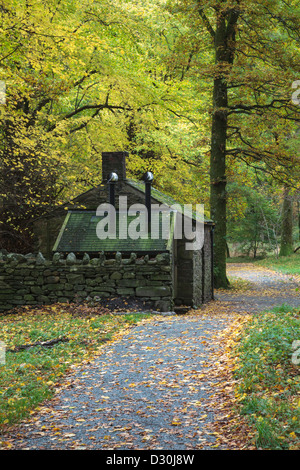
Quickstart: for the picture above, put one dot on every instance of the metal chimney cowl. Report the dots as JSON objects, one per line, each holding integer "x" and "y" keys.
{"x": 112, "y": 181}
{"x": 148, "y": 178}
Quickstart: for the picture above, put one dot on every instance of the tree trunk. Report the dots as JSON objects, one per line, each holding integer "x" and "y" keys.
{"x": 218, "y": 180}
{"x": 298, "y": 206}
{"x": 224, "y": 54}
{"x": 286, "y": 247}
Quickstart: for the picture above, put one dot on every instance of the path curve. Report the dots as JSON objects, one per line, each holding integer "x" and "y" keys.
{"x": 149, "y": 389}
{"x": 265, "y": 289}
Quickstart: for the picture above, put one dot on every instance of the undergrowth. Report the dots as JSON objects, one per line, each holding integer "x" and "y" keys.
{"x": 268, "y": 369}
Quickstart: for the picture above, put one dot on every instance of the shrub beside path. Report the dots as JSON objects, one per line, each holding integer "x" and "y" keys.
{"x": 161, "y": 385}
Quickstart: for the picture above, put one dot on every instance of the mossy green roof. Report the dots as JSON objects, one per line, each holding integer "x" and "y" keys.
{"x": 78, "y": 234}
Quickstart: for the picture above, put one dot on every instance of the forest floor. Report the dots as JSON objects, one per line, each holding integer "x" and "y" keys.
{"x": 167, "y": 384}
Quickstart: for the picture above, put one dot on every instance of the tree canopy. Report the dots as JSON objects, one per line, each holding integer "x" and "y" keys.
{"x": 198, "y": 92}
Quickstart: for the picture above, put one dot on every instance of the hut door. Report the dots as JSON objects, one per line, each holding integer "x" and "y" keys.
{"x": 183, "y": 276}
{"x": 175, "y": 270}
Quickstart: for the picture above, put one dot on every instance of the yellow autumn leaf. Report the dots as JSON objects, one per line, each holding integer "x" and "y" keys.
{"x": 175, "y": 422}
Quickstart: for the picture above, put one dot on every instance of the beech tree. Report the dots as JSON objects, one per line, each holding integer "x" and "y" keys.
{"x": 286, "y": 247}
{"x": 255, "y": 59}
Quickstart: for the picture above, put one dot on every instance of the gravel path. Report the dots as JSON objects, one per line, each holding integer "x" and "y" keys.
{"x": 265, "y": 289}
{"x": 149, "y": 388}
{"x": 146, "y": 391}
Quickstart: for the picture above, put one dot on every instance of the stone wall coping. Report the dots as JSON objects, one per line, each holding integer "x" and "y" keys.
{"x": 70, "y": 259}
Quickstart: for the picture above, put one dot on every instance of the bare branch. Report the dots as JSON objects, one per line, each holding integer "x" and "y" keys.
{"x": 207, "y": 23}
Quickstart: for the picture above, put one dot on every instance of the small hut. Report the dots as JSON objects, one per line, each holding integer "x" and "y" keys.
{"x": 76, "y": 230}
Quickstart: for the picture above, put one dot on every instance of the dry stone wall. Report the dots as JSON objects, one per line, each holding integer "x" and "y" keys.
{"x": 33, "y": 280}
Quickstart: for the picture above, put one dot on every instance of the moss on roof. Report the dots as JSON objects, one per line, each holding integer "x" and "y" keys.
{"x": 165, "y": 199}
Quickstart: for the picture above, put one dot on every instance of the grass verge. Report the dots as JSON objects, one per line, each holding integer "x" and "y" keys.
{"x": 268, "y": 373}
{"x": 284, "y": 264}
{"x": 29, "y": 376}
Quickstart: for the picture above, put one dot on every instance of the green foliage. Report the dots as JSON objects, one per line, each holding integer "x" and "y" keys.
{"x": 258, "y": 228}
{"x": 84, "y": 78}
{"x": 251, "y": 65}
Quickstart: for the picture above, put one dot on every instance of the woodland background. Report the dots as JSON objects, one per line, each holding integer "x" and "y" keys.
{"x": 204, "y": 94}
